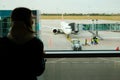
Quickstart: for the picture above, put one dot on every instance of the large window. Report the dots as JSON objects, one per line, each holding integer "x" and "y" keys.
{"x": 73, "y": 26}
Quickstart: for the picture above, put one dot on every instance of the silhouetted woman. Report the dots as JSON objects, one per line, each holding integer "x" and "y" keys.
{"x": 22, "y": 53}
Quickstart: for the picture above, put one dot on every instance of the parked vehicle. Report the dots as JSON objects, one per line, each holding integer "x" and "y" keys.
{"x": 76, "y": 45}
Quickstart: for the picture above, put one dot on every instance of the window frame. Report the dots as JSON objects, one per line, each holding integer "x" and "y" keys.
{"x": 81, "y": 54}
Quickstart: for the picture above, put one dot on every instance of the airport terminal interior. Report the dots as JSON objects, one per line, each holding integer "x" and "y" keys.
{"x": 86, "y": 37}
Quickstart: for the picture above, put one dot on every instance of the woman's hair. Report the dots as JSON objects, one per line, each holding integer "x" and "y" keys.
{"x": 22, "y": 14}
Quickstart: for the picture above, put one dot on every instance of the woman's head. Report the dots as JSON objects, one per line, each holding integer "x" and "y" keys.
{"x": 23, "y": 15}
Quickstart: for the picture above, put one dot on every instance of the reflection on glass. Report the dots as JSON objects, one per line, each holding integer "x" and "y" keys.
{"x": 82, "y": 69}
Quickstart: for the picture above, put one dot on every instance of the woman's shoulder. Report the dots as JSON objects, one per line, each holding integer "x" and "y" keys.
{"x": 35, "y": 43}
{"x": 36, "y": 40}
{"x": 33, "y": 40}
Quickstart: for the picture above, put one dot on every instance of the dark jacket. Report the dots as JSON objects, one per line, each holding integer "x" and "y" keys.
{"x": 21, "y": 62}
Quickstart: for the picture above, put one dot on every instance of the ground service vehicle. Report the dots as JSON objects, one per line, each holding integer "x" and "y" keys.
{"x": 76, "y": 45}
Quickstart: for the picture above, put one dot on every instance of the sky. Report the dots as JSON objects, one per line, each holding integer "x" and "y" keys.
{"x": 65, "y": 6}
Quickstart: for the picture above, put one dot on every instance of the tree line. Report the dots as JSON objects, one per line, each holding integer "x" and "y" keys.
{"x": 80, "y": 14}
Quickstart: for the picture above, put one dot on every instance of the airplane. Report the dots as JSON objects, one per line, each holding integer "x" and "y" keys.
{"x": 66, "y": 28}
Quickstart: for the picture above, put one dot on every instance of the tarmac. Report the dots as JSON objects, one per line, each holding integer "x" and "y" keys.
{"x": 111, "y": 40}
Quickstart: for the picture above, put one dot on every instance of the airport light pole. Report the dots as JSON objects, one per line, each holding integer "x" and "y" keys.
{"x": 117, "y": 27}
{"x": 92, "y": 25}
{"x": 96, "y": 27}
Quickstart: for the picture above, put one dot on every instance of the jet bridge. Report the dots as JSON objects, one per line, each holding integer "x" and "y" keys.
{"x": 5, "y": 22}
{"x": 102, "y": 27}
{"x": 94, "y": 28}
